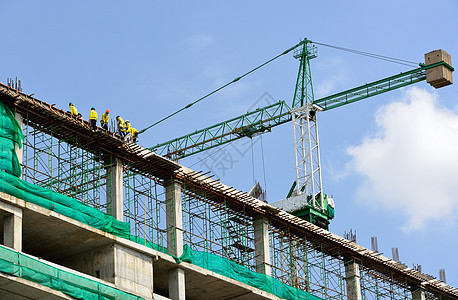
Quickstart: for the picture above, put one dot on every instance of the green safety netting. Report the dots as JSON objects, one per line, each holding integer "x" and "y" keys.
{"x": 17, "y": 264}
{"x": 62, "y": 204}
{"x": 10, "y": 135}
{"x": 228, "y": 268}
{"x": 24, "y": 266}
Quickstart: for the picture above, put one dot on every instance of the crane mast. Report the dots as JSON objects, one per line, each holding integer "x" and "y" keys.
{"x": 305, "y": 131}
{"x": 306, "y": 198}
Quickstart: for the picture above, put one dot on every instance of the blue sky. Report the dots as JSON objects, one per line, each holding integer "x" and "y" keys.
{"x": 389, "y": 161}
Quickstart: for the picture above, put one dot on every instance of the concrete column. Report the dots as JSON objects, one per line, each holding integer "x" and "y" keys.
{"x": 174, "y": 218}
{"x": 418, "y": 294}
{"x": 19, "y": 151}
{"x": 177, "y": 284}
{"x": 12, "y": 226}
{"x": 352, "y": 279}
{"x": 115, "y": 189}
{"x": 261, "y": 246}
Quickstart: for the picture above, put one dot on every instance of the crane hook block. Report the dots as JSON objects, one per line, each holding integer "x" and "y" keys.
{"x": 439, "y": 76}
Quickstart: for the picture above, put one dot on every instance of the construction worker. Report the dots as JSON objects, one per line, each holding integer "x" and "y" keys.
{"x": 73, "y": 110}
{"x": 128, "y": 131}
{"x": 121, "y": 126}
{"x": 93, "y": 119}
{"x": 134, "y": 134}
{"x": 104, "y": 120}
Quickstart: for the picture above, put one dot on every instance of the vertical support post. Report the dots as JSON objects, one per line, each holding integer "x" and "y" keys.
{"x": 261, "y": 246}
{"x": 19, "y": 151}
{"x": 352, "y": 279}
{"x": 12, "y": 228}
{"x": 418, "y": 294}
{"x": 294, "y": 263}
{"x": 174, "y": 220}
{"x": 177, "y": 284}
{"x": 115, "y": 189}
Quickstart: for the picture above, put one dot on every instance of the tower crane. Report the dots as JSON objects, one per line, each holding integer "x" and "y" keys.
{"x": 306, "y": 198}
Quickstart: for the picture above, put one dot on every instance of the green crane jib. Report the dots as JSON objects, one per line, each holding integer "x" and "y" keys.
{"x": 306, "y": 198}
{"x": 258, "y": 121}
{"x": 263, "y": 119}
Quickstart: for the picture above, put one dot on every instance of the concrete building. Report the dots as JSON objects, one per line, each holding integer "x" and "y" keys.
{"x": 96, "y": 218}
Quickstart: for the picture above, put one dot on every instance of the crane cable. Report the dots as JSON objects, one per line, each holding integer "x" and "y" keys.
{"x": 263, "y": 167}
{"x": 377, "y": 56}
{"x": 222, "y": 87}
{"x": 252, "y": 162}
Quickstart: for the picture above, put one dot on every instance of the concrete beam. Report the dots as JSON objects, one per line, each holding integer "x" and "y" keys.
{"x": 159, "y": 297}
{"x": 133, "y": 272}
{"x": 11, "y": 209}
{"x": 174, "y": 218}
{"x": 177, "y": 286}
{"x": 261, "y": 246}
{"x": 16, "y": 288}
{"x": 352, "y": 279}
{"x": 128, "y": 269}
{"x": 115, "y": 190}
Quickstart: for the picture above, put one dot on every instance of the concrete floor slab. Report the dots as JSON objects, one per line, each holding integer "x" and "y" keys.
{"x": 15, "y": 288}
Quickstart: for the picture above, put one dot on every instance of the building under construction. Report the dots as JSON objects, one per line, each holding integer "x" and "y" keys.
{"x": 88, "y": 216}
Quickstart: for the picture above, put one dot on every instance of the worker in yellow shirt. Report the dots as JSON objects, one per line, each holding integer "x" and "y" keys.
{"x": 134, "y": 134}
{"x": 128, "y": 131}
{"x": 121, "y": 126}
{"x": 104, "y": 120}
{"x": 93, "y": 119}
{"x": 73, "y": 110}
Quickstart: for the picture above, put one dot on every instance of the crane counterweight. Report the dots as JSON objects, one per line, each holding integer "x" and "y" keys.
{"x": 439, "y": 76}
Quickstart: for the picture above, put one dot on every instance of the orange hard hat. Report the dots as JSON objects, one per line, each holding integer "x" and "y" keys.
{"x": 108, "y": 111}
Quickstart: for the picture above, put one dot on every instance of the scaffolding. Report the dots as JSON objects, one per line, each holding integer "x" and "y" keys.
{"x": 208, "y": 226}
{"x": 215, "y": 228}
{"x": 62, "y": 166}
{"x": 217, "y": 219}
{"x": 145, "y": 208}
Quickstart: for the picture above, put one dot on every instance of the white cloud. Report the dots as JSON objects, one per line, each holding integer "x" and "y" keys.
{"x": 410, "y": 165}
